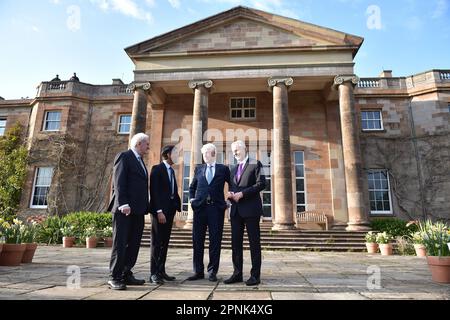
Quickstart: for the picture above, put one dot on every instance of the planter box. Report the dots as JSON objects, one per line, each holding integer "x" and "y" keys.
{"x": 12, "y": 254}
{"x": 29, "y": 252}
{"x": 440, "y": 268}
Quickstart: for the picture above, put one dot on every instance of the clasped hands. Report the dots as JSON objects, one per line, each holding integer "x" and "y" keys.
{"x": 235, "y": 196}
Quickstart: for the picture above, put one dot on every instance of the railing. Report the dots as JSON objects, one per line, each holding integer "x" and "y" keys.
{"x": 445, "y": 75}
{"x": 125, "y": 90}
{"x": 57, "y": 86}
{"x": 368, "y": 83}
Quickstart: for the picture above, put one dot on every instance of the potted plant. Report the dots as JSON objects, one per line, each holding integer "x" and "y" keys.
{"x": 29, "y": 238}
{"x": 107, "y": 234}
{"x": 417, "y": 238}
{"x": 91, "y": 237}
{"x": 371, "y": 243}
{"x": 68, "y": 233}
{"x": 383, "y": 240}
{"x": 13, "y": 248}
{"x": 436, "y": 238}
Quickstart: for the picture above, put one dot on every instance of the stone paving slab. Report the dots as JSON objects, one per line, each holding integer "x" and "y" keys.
{"x": 285, "y": 275}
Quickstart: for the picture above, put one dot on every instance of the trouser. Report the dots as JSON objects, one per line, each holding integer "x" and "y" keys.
{"x": 160, "y": 243}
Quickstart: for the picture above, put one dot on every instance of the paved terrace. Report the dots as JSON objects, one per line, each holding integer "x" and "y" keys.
{"x": 285, "y": 276}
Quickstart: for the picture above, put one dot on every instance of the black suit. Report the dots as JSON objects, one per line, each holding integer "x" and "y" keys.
{"x": 247, "y": 213}
{"x": 162, "y": 199}
{"x": 209, "y": 211}
{"x": 130, "y": 186}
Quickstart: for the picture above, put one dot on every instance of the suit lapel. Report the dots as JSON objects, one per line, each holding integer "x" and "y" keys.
{"x": 243, "y": 171}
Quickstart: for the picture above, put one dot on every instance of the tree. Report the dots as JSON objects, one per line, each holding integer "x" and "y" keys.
{"x": 13, "y": 160}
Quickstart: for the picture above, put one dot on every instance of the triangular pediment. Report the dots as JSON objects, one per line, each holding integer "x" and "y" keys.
{"x": 244, "y": 28}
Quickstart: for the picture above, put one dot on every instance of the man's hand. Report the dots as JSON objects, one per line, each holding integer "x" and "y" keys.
{"x": 238, "y": 196}
{"x": 230, "y": 195}
{"x": 161, "y": 218}
{"x": 126, "y": 211}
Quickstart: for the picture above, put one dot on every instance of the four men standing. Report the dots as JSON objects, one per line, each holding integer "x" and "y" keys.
{"x": 130, "y": 202}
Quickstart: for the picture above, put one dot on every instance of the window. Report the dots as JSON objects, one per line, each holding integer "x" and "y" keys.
{"x": 2, "y": 126}
{"x": 124, "y": 123}
{"x": 267, "y": 192}
{"x": 379, "y": 194}
{"x": 243, "y": 108}
{"x": 186, "y": 169}
{"x": 41, "y": 186}
{"x": 300, "y": 180}
{"x": 372, "y": 120}
{"x": 449, "y": 107}
{"x": 52, "y": 121}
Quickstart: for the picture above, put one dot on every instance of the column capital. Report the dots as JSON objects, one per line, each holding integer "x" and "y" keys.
{"x": 341, "y": 79}
{"x": 194, "y": 84}
{"x": 274, "y": 81}
{"x": 146, "y": 86}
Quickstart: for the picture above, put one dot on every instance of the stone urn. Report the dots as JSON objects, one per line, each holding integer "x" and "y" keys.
{"x": 421, "y": 250}
{"x": 440, "y": 268}
{"x": 12, "y": 254}
{"x": 386, "y": 249}
{"x": 91, "y": 242}
{"x": 372, "y": 247}
{"x": 68, "y": 242}
{"x": 29, "y": 252}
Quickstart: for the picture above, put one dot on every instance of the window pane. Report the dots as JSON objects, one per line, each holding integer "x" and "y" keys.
{"x": 373, "y": 206}
{"x": 300, "y": 185}
{"x": 266, "y": 197}
{"x": 379, "y": 206}
{"x": 299, "y": 171}
{"x": 300, "y": 198}
{"x": 301, "y": 208}
{"x": 387, "y": 206}
{"x": 267, "y": 211}
{"x": 233, "y": 103}
{"x": 298, "y": 155}
{"x": 252, "y": 113}
{"x": 247, "y": 113}
{"x": 2, "y": 131}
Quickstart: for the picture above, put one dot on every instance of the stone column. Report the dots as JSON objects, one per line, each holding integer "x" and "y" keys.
{"x": 139, "y": 113}
{"x": 282, "y": 166}
{"x": 199, "y": 127}
{"x": 156, "y": 136}
{"x": 357, "y": 214}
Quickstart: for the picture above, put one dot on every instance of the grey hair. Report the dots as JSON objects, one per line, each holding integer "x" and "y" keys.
{"x": 239, "y": 143}
{"x": 207, "y": 147}
{"x": 137, "y": 138}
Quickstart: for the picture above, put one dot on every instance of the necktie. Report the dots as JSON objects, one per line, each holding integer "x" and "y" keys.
{"x": 142, "y": 165}
{"x": 209, "y": 174}
{"x": 172, "y": 181}
{"x": 239, "y": 172}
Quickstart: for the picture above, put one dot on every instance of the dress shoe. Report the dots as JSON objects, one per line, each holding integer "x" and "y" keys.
{"x": 196, "y": 276}
{"x": 156, "y": 279}
{"x": 132, "y": 281}
{"x": 212, "y": 277}
{"x": 252, "y": 281}
{"x": 166, "y": 277}
{"x": 233, "y": 279}
{"x": 117, "y": 285}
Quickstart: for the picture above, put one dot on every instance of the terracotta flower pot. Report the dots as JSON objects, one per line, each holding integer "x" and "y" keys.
{"x": 440, "y": 268}
{"x": 29, "y": 252}
{"x": 12, "y": 254}
{"x": 386, "y": 249}
{"x": 91, "y": 242}
{"x": 108, "y": 242}
{"x": 421, "y": 250}
{"x": 372, "y": 247}
{"x": 1, "y": 248}
{"x": 68, "y": 242}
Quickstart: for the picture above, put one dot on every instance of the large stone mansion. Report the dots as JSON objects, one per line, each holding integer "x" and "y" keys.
{"x": 352, "y": 148}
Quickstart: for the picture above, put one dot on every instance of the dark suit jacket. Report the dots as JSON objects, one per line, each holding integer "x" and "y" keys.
{"x": 130, "y": 184}
{"x": 251, "y": 184}
{"x": 199, "y": 188}
{"x": 160, "y": 191}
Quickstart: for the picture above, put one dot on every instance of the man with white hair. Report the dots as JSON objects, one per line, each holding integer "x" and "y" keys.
{"x": 129, "y": 204}
{"x": 206, "y": 193}
{"x": 247, "y": 181}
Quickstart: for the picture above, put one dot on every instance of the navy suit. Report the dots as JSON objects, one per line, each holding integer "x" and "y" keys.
{"x": 246, "y": 214}
{"x": 209, "y": 211}
{"x": 130, "y": 186}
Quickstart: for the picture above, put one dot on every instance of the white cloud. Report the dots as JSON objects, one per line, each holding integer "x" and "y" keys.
{"x": 125, "y": 7}
{"x": 413, "y": 23}
{"x": 441, "y": 9}
{"x": 55, "y": 1}
{"x": 175, "y": 3}
{"x": 35, "y": 29}
{"x": 151, "y": 3}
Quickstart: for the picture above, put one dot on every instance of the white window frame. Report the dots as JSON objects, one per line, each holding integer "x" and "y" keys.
{"x": 122, "y": 123}
{"x": 32, "y": 206}
{"x": 267, "y": 168}
{"x": 45, "y": 121}
{"x": 3, "y": 127}
{"x": 186, "y": 167}
{"x": 300, "y": 178}
{"x": 381, "y": 119}
{"x": 243, "y": 109}
{"x": 376, "y": 212}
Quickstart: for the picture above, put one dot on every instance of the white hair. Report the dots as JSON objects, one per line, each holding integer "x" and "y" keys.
{"x": 207, "y": 147}
{"x": 137, "y": 138}
{"x": 238, "y": 143}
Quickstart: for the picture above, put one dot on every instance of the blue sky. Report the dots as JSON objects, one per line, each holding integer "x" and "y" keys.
{"x": 42, "y": 38}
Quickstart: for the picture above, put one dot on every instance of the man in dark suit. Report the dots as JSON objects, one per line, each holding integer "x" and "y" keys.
{"x": 208, "y": 203}
{"x": 129, "y": 204}
{"x": 247, "y": 181}
{"x": 164, "y": 203}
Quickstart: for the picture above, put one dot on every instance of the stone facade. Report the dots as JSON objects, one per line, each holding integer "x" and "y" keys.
{"x": 306, "y": 99}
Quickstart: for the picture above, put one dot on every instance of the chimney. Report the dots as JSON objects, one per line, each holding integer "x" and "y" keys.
{"x": 386, "y": 74}
{"x": 117, "y": 82}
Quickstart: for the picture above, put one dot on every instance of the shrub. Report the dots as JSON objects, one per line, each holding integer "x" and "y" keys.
{"x": 383, "y": 238}
{"x": 435, "y": 238}
{"x": 83, "y": 220}
{"x": 404, "y": 246}
{"x": 371, "y": 237}
{"x": 50, "y": 230}
{"x": 394, "y": 227}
